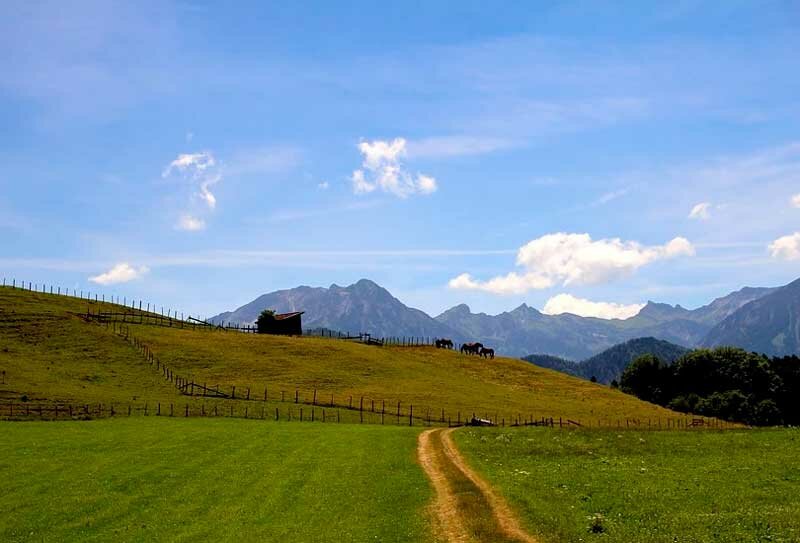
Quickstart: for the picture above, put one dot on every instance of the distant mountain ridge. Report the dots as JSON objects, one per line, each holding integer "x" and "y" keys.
{"x": 609, "y": 365}
{"x": 526, "y": 330}
{"x": 367, "y": 307}
{"x": 769, "y": 324}
{"x": 361, "y": 307}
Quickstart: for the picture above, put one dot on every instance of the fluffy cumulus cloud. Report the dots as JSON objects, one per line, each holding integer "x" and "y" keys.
{"x": 786, "y": 247}
{"x": 567, "y": 303}
{"x": 121, "y": 273}
{"x": 382, "y": 169}
{"x": 201, "y": 172}
{"x": 574, "y": 259}
{"x": 701, "y": 211}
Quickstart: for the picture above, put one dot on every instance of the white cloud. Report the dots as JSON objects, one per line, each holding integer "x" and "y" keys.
{"x": 567, "y": 303}
{"x": 205, "y": 193}
{"x": 786, "y": 247}
{"x": 121, "y": 273}
{"x": 190, "y": 223}
{"x": 574, "y": 259}
{"x": 192, "y": 163}
{"x": 382, "y": 169}
{"x": 201, "y": 171}
{"x": 426, "y": 184}
{"x": 609, "y": 196}
{"x": 701, "y": 211}
{"x": 796, "y": 200}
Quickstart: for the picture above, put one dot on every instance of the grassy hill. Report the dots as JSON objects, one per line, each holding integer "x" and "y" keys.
{"x": 50, "y": 352}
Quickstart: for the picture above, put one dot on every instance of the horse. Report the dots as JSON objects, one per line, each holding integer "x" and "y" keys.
{"x": 471, "y": 348}
{"x": 487, "y": 353}
{"x": 444, "y": 343}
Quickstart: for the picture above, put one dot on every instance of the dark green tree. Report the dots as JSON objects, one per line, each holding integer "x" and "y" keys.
{"x": 265, "y": 320}
{"x": 647, "y": 377}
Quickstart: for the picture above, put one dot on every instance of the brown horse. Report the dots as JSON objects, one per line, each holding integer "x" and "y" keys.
{"x": 487, "y": 353}
{"x": 444, "y": 343}
{"x": 472, "y": 348}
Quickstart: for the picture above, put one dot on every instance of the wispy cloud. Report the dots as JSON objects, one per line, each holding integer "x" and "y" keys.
{"x": 454, "y": 146}
{"x": 201, "y": 171}
{"x": 609, "y": 197}
{"x": 701, "y": 211}
{"x": 383, "y": 170}
{"x": 289, "y": 215}
{"x": 190, "y": 224}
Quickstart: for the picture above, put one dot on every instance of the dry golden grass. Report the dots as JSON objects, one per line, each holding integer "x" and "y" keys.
{"x": 53, "y": 353}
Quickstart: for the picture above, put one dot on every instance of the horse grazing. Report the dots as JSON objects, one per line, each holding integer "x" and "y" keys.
{"x": 472, "y": 348}
{"x": 487, "y": 353}
{"x": 444, "y": 343}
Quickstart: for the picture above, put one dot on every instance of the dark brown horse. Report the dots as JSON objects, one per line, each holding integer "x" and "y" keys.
{"x": 444, "y": 343}
{"x": 486, "y": 352}
{"x": 472, "y": 348}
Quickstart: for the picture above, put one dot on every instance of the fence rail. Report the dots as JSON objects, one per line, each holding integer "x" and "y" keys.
{"x": 118, "y": 322}
{"x": 140, "y": 312}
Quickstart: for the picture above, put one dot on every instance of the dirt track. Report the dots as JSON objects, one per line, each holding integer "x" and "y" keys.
{"x": 466, "y": 507}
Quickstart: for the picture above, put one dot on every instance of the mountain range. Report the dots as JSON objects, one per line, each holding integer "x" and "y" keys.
{"x": 609, "y": 365}
{"x": 763, "y": 319}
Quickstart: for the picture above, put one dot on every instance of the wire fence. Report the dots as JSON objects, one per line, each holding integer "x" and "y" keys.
{"x": 291, "y": 405}
{"x": 121, "y": 309}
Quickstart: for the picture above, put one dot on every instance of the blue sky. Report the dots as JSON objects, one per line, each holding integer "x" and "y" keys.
{"x": 558, "y": 154}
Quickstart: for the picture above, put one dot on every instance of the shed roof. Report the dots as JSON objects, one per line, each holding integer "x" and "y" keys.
{"x": 282, "y": 316}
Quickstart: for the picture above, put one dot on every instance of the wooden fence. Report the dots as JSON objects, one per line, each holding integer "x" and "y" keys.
{"x": 140, "y": 312}
{"x": 118, "y": 322}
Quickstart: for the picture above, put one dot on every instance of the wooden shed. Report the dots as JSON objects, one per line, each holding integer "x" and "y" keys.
{"x": 287, "y": 324}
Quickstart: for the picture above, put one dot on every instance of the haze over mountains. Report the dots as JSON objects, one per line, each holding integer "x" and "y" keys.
{"x": 367, "y": 307}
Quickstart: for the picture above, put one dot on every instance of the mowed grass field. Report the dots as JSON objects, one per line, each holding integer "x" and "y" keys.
{"x": 729, "y": 486}
{"x": 157, "y": 479}
{"x": 50, "y": 352}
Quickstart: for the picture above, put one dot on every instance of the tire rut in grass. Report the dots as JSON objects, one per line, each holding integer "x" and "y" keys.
{"x": 466, "y": 508}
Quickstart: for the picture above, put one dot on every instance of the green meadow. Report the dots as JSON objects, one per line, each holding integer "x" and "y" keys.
{"x": 731, "y": 486}
{"x": 158, "y": 479}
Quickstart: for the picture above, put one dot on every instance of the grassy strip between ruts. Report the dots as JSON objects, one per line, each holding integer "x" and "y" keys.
{"x": 148, "y": 479}
{"x": 631, "y": 486}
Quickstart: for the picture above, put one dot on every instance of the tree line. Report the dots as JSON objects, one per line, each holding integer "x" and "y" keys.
{"x": 726, "y": 382}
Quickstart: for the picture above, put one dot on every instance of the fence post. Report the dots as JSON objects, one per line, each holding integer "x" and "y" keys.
{"x": 411, "y": 415}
